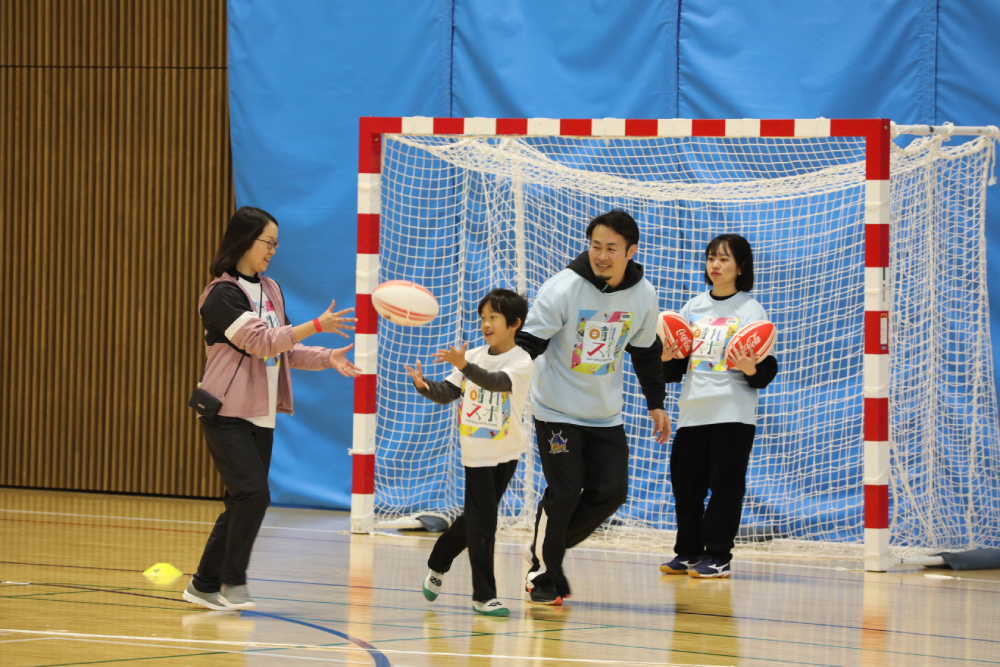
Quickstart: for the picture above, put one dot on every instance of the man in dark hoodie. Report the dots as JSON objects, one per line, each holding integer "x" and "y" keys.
{"x": 582, "y": 320}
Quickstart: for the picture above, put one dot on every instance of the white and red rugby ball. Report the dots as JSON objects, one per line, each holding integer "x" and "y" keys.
{"x": 672, "y": 327}
{"x": 757, "y": 336}
{"x": 404, "y": 302}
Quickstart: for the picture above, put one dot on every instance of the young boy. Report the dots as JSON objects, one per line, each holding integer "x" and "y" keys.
{"x": 493, "y": 381}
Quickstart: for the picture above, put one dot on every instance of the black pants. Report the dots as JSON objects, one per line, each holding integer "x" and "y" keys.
{"x": 714, "y": 456}
{"x": 586, "y": 476}
{"x": 476, "y": 528}
{"x": 242, "y": 455}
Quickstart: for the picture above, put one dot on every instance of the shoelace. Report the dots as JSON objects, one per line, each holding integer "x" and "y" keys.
{"x": 435, "y": 581}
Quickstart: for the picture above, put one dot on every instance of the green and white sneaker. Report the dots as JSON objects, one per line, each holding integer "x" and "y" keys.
{"x": 490, "y": 608}
{"x": 432, "y": 584}
{"x": 210, "y": 600}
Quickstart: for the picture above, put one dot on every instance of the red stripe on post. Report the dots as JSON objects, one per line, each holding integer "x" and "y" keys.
{"x": 363, "y": 474}
{"x": 876, "y": 506}
{"x": 708, "y": 128}
{"x": 876, "y": 332}
{"x": 777, "y": 128}
{"x": 876, "y": 133}
{"x": 876, "y": 419}
{"x": 370, "y": 142}
{"x": 364, "y": 394}
{"x": 366, "y": 314}
{"x": 368, "y": 231}
{"x": 512, "y": 126}
{"x": 641, "y": 128}
{"x": 877, "y": 246}
{"x": 576, "y": 127}
{"x": 449, "y": 125}
{"x": 878, "y": 153}
{"x": 853, "y": 127}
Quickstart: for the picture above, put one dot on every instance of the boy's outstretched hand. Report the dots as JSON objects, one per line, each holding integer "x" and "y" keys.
{"x": 417, "y": 374}
{"x": 453, "y": 356}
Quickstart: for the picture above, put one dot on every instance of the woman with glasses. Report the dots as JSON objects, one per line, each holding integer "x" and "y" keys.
{"x": 250, "y": 347}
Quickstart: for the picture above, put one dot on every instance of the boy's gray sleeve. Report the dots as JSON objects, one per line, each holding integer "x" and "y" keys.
{"x": 490, "y": 381}
{"x": 442, "y": 393}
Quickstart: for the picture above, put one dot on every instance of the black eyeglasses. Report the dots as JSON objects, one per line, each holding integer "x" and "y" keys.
{"x": 271, "y": 245}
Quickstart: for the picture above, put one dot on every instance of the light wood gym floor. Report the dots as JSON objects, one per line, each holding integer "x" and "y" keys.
{"x": 326, "y": 596}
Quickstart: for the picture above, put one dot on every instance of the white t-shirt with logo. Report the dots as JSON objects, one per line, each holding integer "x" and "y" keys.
{"x": 491, "y": 423}
{"x": 272, "y": 364}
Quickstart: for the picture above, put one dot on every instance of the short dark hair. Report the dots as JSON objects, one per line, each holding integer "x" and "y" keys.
{"x": 739, "y": 248}
{"x": 244, "y": 228}
{"x": 619, "y": 222}
{"x": 510, "y": 304}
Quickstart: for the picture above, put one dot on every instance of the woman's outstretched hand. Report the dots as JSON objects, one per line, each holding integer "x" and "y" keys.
{"x": 335, "y": 322}
{"x": 340, "y": 362}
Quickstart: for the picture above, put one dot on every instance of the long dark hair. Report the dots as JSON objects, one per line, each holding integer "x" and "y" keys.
{"x": 739, "y": 248}
{"x": 244, "y": 228}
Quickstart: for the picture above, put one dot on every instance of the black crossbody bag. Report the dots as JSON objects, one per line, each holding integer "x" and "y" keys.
{"x": 203, "y": 402}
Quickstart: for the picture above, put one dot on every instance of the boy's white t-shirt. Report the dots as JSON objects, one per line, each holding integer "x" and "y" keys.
{"x": 491, "y": 423}
{"x": 272, "y": 364}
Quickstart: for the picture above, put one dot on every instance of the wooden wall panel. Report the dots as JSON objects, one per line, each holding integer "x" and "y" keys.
{"x": 115, "y": 187}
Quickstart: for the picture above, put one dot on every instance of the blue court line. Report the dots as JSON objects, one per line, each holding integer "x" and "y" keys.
{"x": 675, "y": 611}
{"x": 377, "y": 656}
{"x": 534, "y": 634}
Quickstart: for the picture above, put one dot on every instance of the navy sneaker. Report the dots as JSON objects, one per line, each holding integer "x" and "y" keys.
{"x": 710, "y": 568}
{"x": 680, "y": 564}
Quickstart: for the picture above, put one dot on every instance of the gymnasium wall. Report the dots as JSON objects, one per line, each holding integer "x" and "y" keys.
{"x": 115, "y": 183}
{"x": 302, "y": 73}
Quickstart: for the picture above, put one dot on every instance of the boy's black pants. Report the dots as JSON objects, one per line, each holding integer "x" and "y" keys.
{"x": 476, "y": 528}
{"x": 713, "y": 456}
{"x": 586, "y": 477}
{"x": 242, "y": 455}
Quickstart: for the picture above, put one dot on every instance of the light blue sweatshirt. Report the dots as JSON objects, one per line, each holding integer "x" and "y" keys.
{"x": 711, "y": 393}
{"x": 579, "y": 379}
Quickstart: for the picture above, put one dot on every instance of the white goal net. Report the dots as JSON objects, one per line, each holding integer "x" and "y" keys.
{"x": 461, "y": 215}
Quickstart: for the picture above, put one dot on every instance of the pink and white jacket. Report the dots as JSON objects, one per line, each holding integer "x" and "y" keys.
{"x": 232, "y": 328}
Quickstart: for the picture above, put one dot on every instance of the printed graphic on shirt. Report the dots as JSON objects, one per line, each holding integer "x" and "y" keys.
{"x": 710, "y": 337}
{"x": 484, "y": 414}
{"x": 599, "y": 341}
{"x": 269, "y": 315}
{"x": 557, "y": 443}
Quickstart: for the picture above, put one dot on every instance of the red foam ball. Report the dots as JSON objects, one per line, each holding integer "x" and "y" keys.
{"x": 756, "y": 336}
{"x": 674, "y": 328}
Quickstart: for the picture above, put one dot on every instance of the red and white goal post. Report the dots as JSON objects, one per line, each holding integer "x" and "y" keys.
{"x": 868, "y": 257}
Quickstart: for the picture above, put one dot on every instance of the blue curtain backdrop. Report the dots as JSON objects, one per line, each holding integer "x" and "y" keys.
{"x": 301, "y": 73}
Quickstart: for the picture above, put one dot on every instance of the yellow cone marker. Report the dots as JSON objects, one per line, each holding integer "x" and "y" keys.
{"x": 163, "y": 573}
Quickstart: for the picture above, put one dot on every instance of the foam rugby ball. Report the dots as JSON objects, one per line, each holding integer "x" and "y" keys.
{"x": 673, "y": 328}
{"x": 404, "y": 302}
{"x": 757, "y": 336}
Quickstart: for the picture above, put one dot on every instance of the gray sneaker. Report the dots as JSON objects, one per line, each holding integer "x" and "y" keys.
{"x": 210, "y": 600}
{"x": 236, "y": 597}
